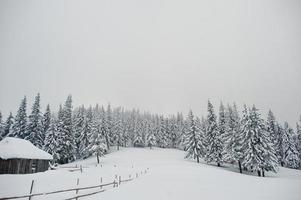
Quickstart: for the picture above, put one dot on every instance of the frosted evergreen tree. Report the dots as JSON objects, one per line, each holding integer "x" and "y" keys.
{"x": 46, "y": 120}
{"x": 174, "y": 132}
{"x": 192, "y": 139}
{"x": 222, "y": 126}
{"x": 84, "y": 138}
{"x": 259, "y": 154}
{"x": 151, "y": 137}
{"x": 66, "y": 138}
{"x": 34, "y": 128}
{"x": 20, "y": 122}
{"x": 291, "y": 154}
{"x": 51, "y": 144}
{"x": 97, "y": 144}
{"x": 180, "y": 130}
{"x": 7, "y": 125}
{"x": 161, "y": 133}
{"x": 202, "y": 142}
{"x": 215, "y": 147}
{"x": 138, "y": 139}
{"x": 118, "y": 129}
{"x": 108, "y": 127}
{"x": 233, "y": 137}
{"x": 273, "y": 131}
{"x": 78, "y": 124}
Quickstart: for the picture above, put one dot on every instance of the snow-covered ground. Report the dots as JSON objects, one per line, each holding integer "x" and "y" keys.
{"x": 170, "y": 176}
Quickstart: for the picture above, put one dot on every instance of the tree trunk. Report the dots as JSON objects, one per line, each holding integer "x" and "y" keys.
{"x": 118, "y": 145}
{"x": 197, "y": 159}
{"x": 262, "y": 173}
{"x": 239, "y": 165}
{"x": 97, "y": 156}
{"x": 107, "y": 141}
{"x": 258, "y": 172}
{"x": 218, "y": 164}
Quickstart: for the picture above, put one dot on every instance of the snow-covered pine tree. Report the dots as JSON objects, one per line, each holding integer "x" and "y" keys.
{"x": 258, "y": 152}
{"x": 78, "y": 124}
{"x": 233, "y": 139}
{"x": 20, "y": 122}
{"x": 108, "y": 127}
{"x": 291, "y": 154}
{"x": 97, "y": 144}
{"x": 151, "y": 137}
{"x": 180, "y": 131}
{"x": 272, "y": 129}
{"x": 117, "y": 128}
{"x": 51, "y": 144}
{"x": 86, "y": 131}
{"x": 66, "y": 138}
{"x": 215, "y": 147}
{"x": 34, "y": 128}
{"x": 161, "y": 133}
{"x": 138, "y": 140}
{"x": 46, "y": 120}
{"x": 192, "y": 138}
{"x": 7, "y": 125}
{"x": 202, "y": 137}
{"x": 174, "y": 133}
{"x": 222, "y": 126}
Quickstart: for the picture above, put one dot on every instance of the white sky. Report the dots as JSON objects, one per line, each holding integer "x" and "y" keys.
{"x": 162, "y": 56}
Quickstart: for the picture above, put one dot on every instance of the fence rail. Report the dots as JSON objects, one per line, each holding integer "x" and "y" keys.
{"x": 115, "y": 183}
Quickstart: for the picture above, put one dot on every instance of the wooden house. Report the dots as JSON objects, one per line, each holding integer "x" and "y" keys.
{"x": 18, "y": 156}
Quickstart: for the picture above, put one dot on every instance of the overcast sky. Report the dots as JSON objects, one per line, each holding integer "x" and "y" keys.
{"x": 161, "y": 56}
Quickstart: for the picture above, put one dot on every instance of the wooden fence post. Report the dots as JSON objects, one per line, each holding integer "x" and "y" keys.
{"x": 76, "y": 191}
{"x": 31, "y": 188}
{"x": 100, "y": 182}
{"x": 81, "y": 169}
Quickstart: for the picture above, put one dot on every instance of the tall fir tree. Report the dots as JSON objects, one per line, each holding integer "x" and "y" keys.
{"x": 108, "y": 127}
{"x": 222, "y": 126}
{"x": 233, "y": 140}
{"x": 97, "y": 144}
{"x": 78, "y": 124}
{"x": 259, "y": 154}
{"x": 151, "y": 137}
{"x": 7, "y": 125}
{"x": 20, "y": 122}
{"x": 46, "y": 121}
{"x": 192, "y": 139}
{"x": 291, "y": 154}
{"x": 34, "y": 128}
{"x": 215, "y": 147}
{"x": 66, "y": 137}
{"x": 84, "y": 138}
{"x": 274, "y": 134}
{"x": 161, "y": 133}
{"x": 51, "y": 143}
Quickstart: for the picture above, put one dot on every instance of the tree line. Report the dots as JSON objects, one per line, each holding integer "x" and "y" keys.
{"x": 244, "y": 139}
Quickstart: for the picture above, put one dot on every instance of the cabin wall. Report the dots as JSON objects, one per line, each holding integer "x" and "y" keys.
{"x": 22, "y": 166}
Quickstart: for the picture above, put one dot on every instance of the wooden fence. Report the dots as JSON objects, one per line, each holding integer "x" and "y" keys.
{"x": 117, "y": 181}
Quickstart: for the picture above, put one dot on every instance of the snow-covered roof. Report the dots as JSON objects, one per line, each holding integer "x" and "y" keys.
{"x": 18, "y": 148}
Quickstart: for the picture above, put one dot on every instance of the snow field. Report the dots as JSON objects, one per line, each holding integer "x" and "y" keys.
{"x": 170, "y": 176}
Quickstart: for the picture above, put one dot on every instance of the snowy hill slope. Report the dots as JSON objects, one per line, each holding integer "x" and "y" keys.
{"x": 169, "y": 177}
